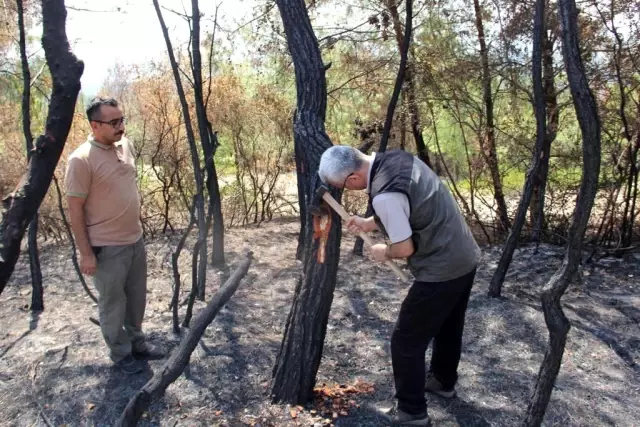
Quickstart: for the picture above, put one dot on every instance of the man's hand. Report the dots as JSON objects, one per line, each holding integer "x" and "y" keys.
{"x": 379, "y": 252}
{"x": 88, "y": 264}
{"x": 356, "y": 224}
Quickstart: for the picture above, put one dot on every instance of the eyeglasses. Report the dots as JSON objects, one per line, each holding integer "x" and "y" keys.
{"x": 344, "y": 184}
{"x": 114, "y": 123}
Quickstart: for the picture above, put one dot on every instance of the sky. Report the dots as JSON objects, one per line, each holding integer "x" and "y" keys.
{"x": 128, "y": 31}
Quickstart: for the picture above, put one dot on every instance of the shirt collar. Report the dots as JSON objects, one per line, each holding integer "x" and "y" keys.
{"x": 373, "y": 157}
{"x": 95, "y": 143}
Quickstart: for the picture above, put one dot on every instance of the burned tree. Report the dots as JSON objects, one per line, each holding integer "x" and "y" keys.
{"x": 299, "y": 356}
{"x": 400, "y": 79}
{"x": 199, "y": 276}
{"x": 488, "y": 137}
{"x": 209, "y": 142}
{"x": 179, "y": 359}
{"x": 586, "y": 111}
{"x": 409, "y": 92}
{"x": 536, "y": 208}
{"x": 37, "y": 297}
{"x": 539, "y": 29}
{"x": 20, "y": 206}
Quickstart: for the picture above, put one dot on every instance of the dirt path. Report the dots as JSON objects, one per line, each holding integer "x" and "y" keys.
{"x": 55, "y": 366}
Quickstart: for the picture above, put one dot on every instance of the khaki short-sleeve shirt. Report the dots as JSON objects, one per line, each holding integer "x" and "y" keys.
{"x": 106, "y": 176}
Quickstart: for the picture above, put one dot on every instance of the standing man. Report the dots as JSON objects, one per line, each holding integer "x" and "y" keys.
{"x": 414, "y": 208}
{"x": 104, "y": 209}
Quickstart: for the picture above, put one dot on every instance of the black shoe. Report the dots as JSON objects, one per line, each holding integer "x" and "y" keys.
{"x": 397, "y": 417}
{"x": 432, "y": 385}
{"x": 150, "y": 352}
{"x": 129, "y": 365}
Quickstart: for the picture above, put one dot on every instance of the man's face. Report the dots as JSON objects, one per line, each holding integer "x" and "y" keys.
{"x": 108, "y": 127}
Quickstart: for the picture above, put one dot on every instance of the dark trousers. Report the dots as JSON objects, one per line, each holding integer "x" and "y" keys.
{"x": 431, "y": 310}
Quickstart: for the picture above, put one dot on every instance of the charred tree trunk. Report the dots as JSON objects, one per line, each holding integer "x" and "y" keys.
{"x": 586, "y": 111}
{"x": 299, "y": 356}
{"x": 209, "y": 141}
{"x": 179, "y": 359}
{"x": 74, "y": 251}
{"x": 495, "y": 287}
{"x": 552, "y": 114}
{"x": 21, "y": 206}
{"x": 386, "y": 131}
{"x": 37, "y": 297}
{"x": 488, "y": 138}
{"x": 410, "y": 92}
{"x": 631, "y": 191}
{"x": 195, "y": 158}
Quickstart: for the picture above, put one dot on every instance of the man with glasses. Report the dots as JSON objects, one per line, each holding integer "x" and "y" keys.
{"x": 104, "y": 209}
{"x": 414, "y": 208}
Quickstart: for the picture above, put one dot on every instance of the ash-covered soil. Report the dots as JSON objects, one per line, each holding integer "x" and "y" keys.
{"x": 54, "y": 368}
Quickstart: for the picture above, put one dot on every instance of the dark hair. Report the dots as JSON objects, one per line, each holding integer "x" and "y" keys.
{"x": 93, "y": 110}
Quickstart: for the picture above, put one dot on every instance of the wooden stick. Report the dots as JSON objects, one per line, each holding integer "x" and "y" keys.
{"x": 367, "y": 240}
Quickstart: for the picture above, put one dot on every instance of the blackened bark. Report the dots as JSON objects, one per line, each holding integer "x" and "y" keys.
{"x": 400, "y": 79}
{"x": 179, "y": 359}
{"x": 37, "y": 297}
{"x": 495, "y": 287}
{"x": 586, "y": 111}
{"x": 488, "y": 138}
{"x": 298, "y": 359}
{"x": 200, "y": 281}
{"x": 175, "y": 256}
{"x": 551, "y": 99}
{"x": 21, "y": 206}
{"x": 209, "y": 142}
{"x": 414, "y": 113}
{"x": 74, "y": 252}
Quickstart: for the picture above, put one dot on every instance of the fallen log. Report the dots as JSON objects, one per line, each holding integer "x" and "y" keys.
{"x": 179, "y": 359}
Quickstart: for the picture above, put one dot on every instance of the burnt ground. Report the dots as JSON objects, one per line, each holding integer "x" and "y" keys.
{"x": 54, "y": 367}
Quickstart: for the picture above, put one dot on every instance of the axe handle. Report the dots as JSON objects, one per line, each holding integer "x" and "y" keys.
{"x": 340, "y": 210}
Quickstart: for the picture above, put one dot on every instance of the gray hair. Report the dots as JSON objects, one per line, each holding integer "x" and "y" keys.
{"x": 338, "y": 162}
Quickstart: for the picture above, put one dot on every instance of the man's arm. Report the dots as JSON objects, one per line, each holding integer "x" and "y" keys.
{"x": 393, "y": 211}
{"x": 79, "y": 229}
{"x": 77, "y": 184}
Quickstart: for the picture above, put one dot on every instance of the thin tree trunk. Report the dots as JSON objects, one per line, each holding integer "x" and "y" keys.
{"x": 200, "y": 281}
{"x": 175, "y": 256}
{"x": 209, "y": 142}
{"x": 37, "y": 294}
{"x": 173, "y": 368}
{"x": 586, "y": 111}
{"x": 414, "y": 113}
{"x": 551, "y": 99}
{"x": 21, "y": 206}
{"x": 539, "y": 29}
{"x": 74, "y": 252}
{"x": 400, "y": 78}
{"x": 299, "y": 356}
{"x": 488, "y": 139}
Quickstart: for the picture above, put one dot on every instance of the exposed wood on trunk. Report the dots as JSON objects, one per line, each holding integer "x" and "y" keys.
{"x": 179, "y": 359}
{"x": 488, "y": 137}
{"x": 22, "y": 205}
{"x": 586, "y": 111}
{"x": 539, "y": 29}
{"x": 299, "y": 356}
